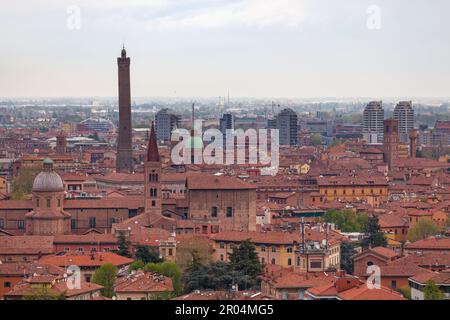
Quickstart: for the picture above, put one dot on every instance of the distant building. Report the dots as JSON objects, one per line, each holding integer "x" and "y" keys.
{"x": 373, "y": 118}
{"x": 286, "y": 123}
{"x": 95, "y": 125}
{"x": 404, "y": 113}
{"x": 166, "y": 122}
{"x": 226, "y": 123}
{"x": 390, "y": 141}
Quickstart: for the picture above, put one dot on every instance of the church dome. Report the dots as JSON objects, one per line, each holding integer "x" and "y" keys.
{"x": 48, "y": 180}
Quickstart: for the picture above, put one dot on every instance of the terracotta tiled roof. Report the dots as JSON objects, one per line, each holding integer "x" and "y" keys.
{"x": 212, "y": 182}
{"x": 430, "y": 244}
{"x": 350, "y": 180}
{"x": 224, "y": 295}
{"x": 87, "y": 238}
{"x": 275, "y": 237}
{"x": 391, "y": 220}
{"x": 86, "y": 260}
{"x": 113, "y": 203}
{"x": 388, "y": 253}
{"x": 143, "y": 282}
{"x": 58, "y": 286}
{"x": 26, "y": 245}
{"x": 439, "y": 278}
{"x": 28, "y": 269}
{"x": 359, "y": 292}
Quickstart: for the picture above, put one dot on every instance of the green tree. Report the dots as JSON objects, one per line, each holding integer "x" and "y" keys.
{"x": 106, "y": 276}
{"x": 243, "y": 270}
{"x": 422, "y": 230}
{"x": 136, "y": 265}
{"x": 316, "y": 140}
{"x": 147, "y": 254}
{"x": 168, "y": 269}
{"x": 374, "y": 236}
{"x": 405, "y": 291}
{"x": 23, "y": 183}
{"x": 245, "y": 263}
{"x": 193, "y": 249}
{"x": 213, "y": 276}
{"x": 123, "y": 245}
{"x": 347, "y": 251}
{"x": 346, "y": 220}
{"x": 432, "y": 291}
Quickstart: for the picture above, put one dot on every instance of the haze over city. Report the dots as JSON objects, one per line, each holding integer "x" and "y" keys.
{"x": 251, "y": 48}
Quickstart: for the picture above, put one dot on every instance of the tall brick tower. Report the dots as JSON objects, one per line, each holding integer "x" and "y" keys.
{"x": 61, "y": 143}
{"x": 413, "y": 135}
{"x": 124, "y": 160}
{"x": 152, "y": 172}
{"x": 390, "y": 141}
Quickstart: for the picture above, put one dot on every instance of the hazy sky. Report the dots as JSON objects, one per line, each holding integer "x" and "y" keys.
{"x": 259, "y": 48}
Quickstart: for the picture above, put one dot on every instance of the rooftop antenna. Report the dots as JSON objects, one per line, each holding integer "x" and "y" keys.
{"x": 303, "y": 234}
{"x": 193, "y": 114}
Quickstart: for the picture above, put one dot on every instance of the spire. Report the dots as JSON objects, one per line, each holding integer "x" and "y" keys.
{"x": 124, "y": 52}
{"x": 152, "y": 150}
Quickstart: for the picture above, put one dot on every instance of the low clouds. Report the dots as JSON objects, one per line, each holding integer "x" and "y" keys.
{"x": 234, "y": 14}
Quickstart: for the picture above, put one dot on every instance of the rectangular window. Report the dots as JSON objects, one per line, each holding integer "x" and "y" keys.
{"x": 92, "y": 222}
{"x": 229, "y": 212}
{"x": 315, "y": 265}
{"x": 214, "y": 212}
{"x": 21, "y": 224}
{"x": 48, "y": 203}
{"x": 73, "y": 224}
{"x": 394, "y": 284}
{"x": 2, "y": 223}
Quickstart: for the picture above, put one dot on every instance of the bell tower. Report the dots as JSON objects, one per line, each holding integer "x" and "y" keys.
{"x": 152, "y": 173}
{"x": 124, "y": 160}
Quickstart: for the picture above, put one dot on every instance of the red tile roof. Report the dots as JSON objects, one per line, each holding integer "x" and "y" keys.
{"x": 143, "y": 282}
{"x": 86, "y": 260}
{"x": 430, "y": 244}
{"x": 212, "y": 182}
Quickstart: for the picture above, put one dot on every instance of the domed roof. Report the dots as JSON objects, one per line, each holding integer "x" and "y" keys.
{"x": 48, "y": 181}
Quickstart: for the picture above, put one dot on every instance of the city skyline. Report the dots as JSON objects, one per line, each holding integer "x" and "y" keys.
{"x": 291, "y": 49}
